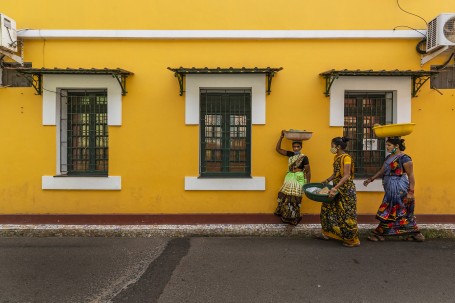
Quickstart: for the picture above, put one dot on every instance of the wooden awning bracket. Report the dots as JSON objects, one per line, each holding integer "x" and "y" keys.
{"x": 37, "y": 75}
{"x": 181, "y": 72}
{"x": 418, "y": 77}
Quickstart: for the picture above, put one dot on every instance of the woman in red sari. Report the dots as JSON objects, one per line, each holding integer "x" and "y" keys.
{"x": 396, "y": 212}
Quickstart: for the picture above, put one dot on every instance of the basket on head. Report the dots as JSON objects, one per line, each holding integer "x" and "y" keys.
{"x": 297, "y": 135}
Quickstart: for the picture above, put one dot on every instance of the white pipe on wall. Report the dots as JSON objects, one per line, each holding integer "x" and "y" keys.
{"x": 219, "y": 34}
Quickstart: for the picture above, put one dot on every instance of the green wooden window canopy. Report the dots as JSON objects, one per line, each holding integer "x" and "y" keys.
{"x": 180, "y": 73}
{"x": 418, "y": 77}
{"x": 37, "y": 75}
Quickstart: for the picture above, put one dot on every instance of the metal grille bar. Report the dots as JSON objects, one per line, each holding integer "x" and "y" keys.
{"x": 225, "y": 132}
{"x": 84, "y": 132}
{"x": 361, "y": 111}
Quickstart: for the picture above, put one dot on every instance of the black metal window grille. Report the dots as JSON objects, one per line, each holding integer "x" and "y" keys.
{"x": 361, "y": 111}
{"x": 225, "y": 131}
{"x": 84, "y": 132}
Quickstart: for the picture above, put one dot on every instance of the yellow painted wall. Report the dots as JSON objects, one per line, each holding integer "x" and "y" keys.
{"x": 230, "y": 14}
{"x": 153, "y": 160}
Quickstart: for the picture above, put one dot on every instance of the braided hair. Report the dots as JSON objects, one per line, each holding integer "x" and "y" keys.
{"x": 397, "y": 141}
{"x": 341, "y": 141}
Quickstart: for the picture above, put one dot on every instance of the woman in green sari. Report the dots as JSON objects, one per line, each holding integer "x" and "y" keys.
{"x": 290, "y": 194}
{"x": 339, "y": 217}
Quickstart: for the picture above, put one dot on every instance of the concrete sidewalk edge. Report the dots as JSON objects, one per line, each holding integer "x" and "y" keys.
{"x": 430, "y": 231}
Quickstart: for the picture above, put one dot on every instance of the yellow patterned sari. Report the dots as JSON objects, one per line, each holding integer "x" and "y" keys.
{"x": 339, "y": 217}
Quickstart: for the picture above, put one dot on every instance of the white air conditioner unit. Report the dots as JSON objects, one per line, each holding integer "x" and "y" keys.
{"x": 8, "y": 34}
{"x": 441, "y": 32}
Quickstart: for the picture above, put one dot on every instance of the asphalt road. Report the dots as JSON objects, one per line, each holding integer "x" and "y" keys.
{"x": 169, "y": 270}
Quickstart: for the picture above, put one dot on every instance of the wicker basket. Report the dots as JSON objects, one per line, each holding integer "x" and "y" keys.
{"x": 318, "y": 197}
{"x": 297, "y": 135}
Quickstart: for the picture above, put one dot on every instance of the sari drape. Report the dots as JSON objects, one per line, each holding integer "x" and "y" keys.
{"x": 396, "y": 212}
{"x": 339, "y": 217}
{"x": 290, "y": 195}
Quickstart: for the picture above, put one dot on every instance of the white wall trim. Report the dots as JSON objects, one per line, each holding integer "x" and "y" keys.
{"x": 258, "y": 96}
{"x": 53, "y": 82}
{"x": 219, "y": 34}
{"x": 254, "y": 183}
{"x": 401, "y": 85}
{"x": 51, "y": 116}
{"x": 82, "y": 183}
{"x": 195, "y": 82}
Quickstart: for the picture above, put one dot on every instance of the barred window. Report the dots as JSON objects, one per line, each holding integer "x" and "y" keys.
{"x": 361, "y": 111}
{"x": 84, "y": 132}
{"x": 225, "y": 126}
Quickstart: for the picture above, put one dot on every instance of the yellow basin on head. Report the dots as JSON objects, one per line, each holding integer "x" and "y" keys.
{"x": 393, "y": 130}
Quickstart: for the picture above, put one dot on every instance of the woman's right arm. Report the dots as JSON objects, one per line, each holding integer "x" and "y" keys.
{"x": 328, "y": 179}
{"x": 278, "y": 145}
{"x": 371, "y": 179}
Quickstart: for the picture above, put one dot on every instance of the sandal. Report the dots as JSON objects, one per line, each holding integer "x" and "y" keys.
{"x": 322, "y": 237}
{"x": 376, "y": 238}
{"x": 292, "y": 222}
{"x": 350, "y": 245}
{"x": 295, "y": 222}
{"x": 415, "y": 237}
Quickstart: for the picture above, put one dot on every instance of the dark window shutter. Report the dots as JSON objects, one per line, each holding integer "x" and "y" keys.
{"x": 12, "y": 78}
{"x": 445, "y": 79}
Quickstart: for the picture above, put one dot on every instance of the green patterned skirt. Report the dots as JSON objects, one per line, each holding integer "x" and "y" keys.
{"x": 290, "y": 198}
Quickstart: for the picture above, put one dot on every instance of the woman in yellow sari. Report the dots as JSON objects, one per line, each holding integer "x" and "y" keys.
{"x": 290, "y": 194}
{"x": 339, "y": 217}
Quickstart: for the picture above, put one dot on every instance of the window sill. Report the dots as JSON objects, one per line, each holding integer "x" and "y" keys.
{"x": 81, "y": 183}
{"x": 195, "y": 183}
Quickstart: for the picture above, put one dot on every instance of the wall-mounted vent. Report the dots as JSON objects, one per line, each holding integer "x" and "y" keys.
{"x": 8, "y": 34}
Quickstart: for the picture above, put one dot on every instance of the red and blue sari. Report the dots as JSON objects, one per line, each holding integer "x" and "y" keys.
{"x": 396, "y": 212}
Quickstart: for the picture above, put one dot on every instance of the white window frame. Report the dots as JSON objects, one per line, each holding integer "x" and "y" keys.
{"x": 51, "y": 117}
{"x": 401, "y": 88}
{"x": 258, "y": 95}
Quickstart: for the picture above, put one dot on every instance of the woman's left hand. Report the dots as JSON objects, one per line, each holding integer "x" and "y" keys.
{"x": 410, "y": 196}
{"x": 332, "y": 192}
